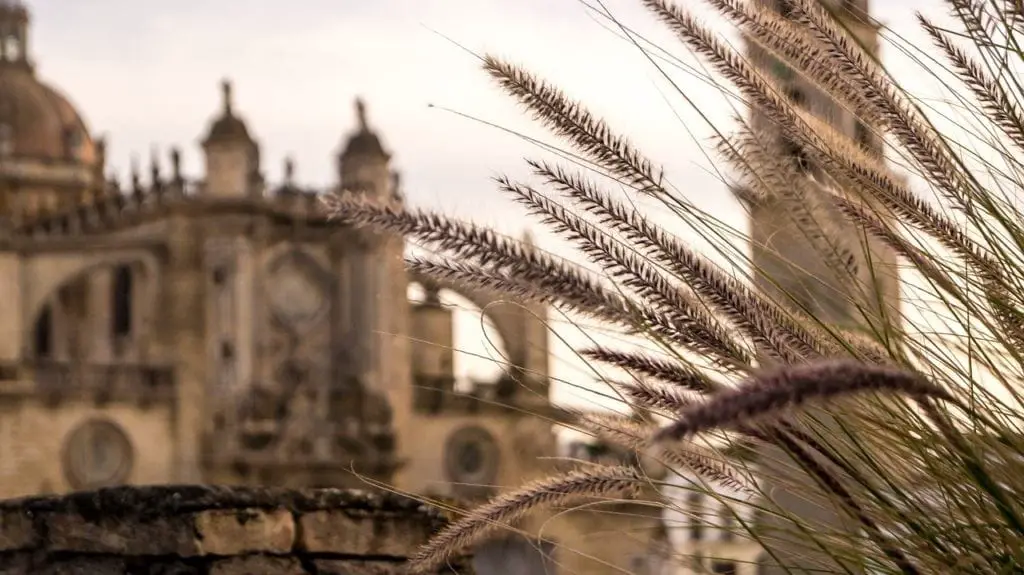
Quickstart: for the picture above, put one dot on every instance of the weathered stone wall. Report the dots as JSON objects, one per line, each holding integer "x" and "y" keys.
{"x": 213, "y": 531}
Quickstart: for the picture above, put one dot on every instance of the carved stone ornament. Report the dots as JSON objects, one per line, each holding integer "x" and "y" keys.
{"x": 97, "y": 454}
{"x": 471, "y": 456}
{"x": 296, "y": 296}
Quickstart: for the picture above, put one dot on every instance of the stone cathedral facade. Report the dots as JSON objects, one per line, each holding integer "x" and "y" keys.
{"x": 220, "y": 330}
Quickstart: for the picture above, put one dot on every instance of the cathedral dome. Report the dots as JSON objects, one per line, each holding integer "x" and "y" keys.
{"x": 36, "y": 121}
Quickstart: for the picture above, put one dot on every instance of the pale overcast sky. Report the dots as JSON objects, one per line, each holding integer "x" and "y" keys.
{"x": 147, "y": 74}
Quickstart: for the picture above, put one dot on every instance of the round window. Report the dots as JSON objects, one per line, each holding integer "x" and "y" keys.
{"x": 471, "y": 456}
{"x": 296, "y": 296}
{"x": 97, "y": 454}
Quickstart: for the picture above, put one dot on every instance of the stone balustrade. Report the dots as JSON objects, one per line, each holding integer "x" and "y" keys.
{"x": 101, "y": 383}
{"x": 435, "y": 395}
{"x": 185, "y": 530}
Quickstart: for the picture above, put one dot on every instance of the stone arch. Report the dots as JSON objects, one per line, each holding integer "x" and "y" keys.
{"x": 46, "y": 273}
{"x": 479, "y": 356}
{"x": 510, "y": 319}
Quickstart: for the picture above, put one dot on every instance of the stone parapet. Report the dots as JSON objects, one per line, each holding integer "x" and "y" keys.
{"x": 188, "y": 530}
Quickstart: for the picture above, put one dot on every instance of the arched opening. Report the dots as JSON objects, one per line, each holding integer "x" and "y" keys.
{"x": 72, "y": 143}
{"x": 796, "y": 95}
{"x": 43, "y": 333}
{"x": 6, "y": 140}
{"x": 92, "y": 313}
{"x": 121, "y": 305}
{"x": 863, "y": 135}
{"x": 12, "y": 48}
{"x": 478, "y": 351}
{"x": 791, "y": 148}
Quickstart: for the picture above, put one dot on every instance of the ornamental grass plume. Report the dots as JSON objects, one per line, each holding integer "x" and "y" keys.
{"x": 808, "y": 376}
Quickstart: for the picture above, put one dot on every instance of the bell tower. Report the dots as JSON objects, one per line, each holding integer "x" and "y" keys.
{"x": 793, "y": 241}
{"x": 788, "y": 253}
{"x": 232, "y": 155}
{"x": 363, "y": 162}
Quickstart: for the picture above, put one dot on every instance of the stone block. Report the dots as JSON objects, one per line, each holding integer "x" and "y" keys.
{"x": 346, "y": 567}
{"x": 84, "y": 566}
{"x": 16, "y": 563}
{"x": 257, "y": 565}
{"x": 72, "y": 532}
{"x": 240, "y": 531}
{"x": 16, "y": 530}
{"x": 168, "y": 567}
{"x": 339, "y": 532}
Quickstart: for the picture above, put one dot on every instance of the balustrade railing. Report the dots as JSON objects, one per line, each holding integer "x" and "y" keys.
{"x": 109, "y": 382}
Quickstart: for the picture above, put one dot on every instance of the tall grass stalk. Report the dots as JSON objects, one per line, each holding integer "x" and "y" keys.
{"x": 905, "y": 438}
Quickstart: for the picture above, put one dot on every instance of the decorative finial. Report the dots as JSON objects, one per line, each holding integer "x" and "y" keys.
{"x": 136, "y": 183}
{"x": 114, "y": 181}
{"x": 225, "y": 87}
{"x": 176, "y": 163}
{"x": 154, "y": 166}
{"x": 289, "y": 170}
{"x": 361, "y": 115}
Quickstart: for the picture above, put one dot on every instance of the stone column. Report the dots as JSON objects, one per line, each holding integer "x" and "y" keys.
{"x": 183, "y": 342}
{"x": 101, "y": 295}
{"x": 12, "y": 329}
{"x": 343, "y": 310}
{"x": 146, "y": 294}
{"x": 245, "y": 324}
{"x": 363, "y": 282}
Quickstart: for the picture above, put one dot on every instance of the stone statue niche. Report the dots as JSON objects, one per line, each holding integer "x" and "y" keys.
{"x": 284, "y": 415}
{"x": 303, "y": 408}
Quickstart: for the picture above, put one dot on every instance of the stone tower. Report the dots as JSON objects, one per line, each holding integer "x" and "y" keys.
{"x": 781, "y": 246}
{"x": 796, "y": 273}
{"x": 232, "y": 156}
